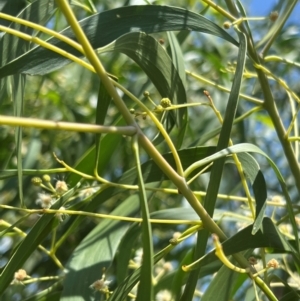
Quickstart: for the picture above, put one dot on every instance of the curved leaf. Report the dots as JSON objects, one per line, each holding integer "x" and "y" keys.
{"x": 256, "y": 177}
{"x": 247, "y": 147}
{"x": 103, "y": 28}
{"x": 268, "y": 237}
{"x": 154, "y": 60}
{"x": 178, "y": 62}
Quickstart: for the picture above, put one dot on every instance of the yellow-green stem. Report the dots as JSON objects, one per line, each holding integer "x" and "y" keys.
{"x": 222, "y": 88}
{"x": 46, "y": 45}
{"x": 278, "y": 80}
{"x": 48, "y": 278}
{"x": 66, "y": 126}
{"x": 220, "y": 10}
{"x": 276, "y": 58}
{"x": 43, "y": 29}
{"x": 239, "y": 21}
{"x": 103, "y": 216}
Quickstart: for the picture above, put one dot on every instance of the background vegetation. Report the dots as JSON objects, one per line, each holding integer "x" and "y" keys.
{"x": 100, "y": 213}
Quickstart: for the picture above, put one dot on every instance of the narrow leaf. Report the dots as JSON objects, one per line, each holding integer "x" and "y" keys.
{"x": 103, "y": 102}
{"x": 124, "y": 252}
{"x": 120, "y": 294}
{"x": 177, "y": 59}
{"x": 260, "y": 194}
{"x": 216, "y": 172}
{"x": 215, "y": 178}
{"x": 18, "y": 86}
{"x": 145, "y": 289}
{"x": 221, "y": 285}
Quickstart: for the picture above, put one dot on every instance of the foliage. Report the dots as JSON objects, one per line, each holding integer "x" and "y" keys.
{"x": 122, "y": 177}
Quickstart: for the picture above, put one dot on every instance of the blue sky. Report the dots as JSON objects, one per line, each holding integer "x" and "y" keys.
{"x": 264, "y": 7}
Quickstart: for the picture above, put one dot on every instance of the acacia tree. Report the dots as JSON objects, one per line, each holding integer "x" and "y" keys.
{"x": 146, "y": 148}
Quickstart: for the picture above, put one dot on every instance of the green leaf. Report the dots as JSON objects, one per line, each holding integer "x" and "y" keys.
{"x": 221, "y": 285}
{"x": 247, "y": 147}
{"x": 268, "y": 237}
{"x": 116, "y": 22}
{"x": 145, "y": 288}
{"x": 291, "y": 296}
{"x": 216, "y": 173}
{"x": 18, "y": 86}
{"x": 124, "y": 252}
{"x": 260, "y": 193}
{"x": 253, "y": 172}
{"x": 11, "y": 7}
{"x": 243, "y": 14}
{"x": 217, "y": 168}
{"x": 177, "y": 283}
{"x": 127, "y": 285}
{"x": 177, "y": 57}
{"x": 178, "y": 62}
{"x": 180, "y": 276}
{"x": 12, "y": 47}
{"x": 155, "y": 62}
{"x": 225, "y": 283}
{"x": 103, "y": 102}
{"x": 96, "y": 252}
